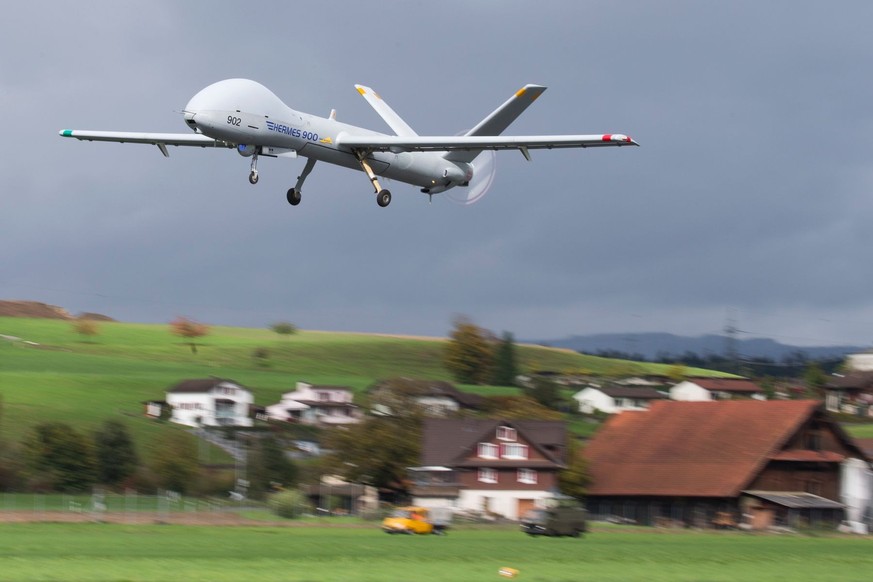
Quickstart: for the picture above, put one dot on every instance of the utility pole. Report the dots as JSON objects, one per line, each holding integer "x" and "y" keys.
{"x": 730, "y": 341}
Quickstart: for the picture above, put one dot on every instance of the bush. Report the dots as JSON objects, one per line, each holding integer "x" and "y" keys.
{"x": 289, "y": 503}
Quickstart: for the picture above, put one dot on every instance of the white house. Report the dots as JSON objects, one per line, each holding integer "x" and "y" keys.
{"x": 706, "y": 389}
{"x": 309, "y": 404}
{"x": 435, "y": 397}
{"x": 210, "y": 402}
{"x": 612, "y": 399}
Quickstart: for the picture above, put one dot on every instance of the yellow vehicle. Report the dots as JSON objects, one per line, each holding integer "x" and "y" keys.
{"x": 414, "y": 520}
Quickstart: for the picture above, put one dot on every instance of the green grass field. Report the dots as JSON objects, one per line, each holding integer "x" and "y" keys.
{"x": 67, "y": 377}
{"x": 102, "y": 553}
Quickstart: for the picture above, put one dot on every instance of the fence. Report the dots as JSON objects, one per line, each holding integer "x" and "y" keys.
{"x": 130, "y": 507}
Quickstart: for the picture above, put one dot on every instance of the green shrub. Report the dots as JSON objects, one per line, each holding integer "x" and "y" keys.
{"x": 289, "y": 503}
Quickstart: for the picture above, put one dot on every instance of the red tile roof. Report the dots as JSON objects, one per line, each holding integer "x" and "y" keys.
{"x": 703, "y": 449}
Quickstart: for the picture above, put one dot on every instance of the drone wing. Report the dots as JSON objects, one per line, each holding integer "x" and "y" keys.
{"x": 396, "y": 144}
{"x": 162, "y": 140}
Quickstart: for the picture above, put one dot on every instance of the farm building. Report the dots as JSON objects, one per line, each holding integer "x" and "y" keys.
{"x": 706, "y": 389}
{"x": 761, "y": 463}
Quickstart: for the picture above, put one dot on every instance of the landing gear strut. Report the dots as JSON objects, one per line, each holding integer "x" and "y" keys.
{"x": 383, "y": 197}
{"x": 253, "y": 175}
{"x": 294, "y": 195}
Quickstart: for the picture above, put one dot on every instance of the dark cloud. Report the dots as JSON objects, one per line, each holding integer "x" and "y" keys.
{"x": 750, "y": 190}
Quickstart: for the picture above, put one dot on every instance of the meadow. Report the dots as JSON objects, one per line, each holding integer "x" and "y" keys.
{"x": 50, "y": 372}
{"x": 103, "y": 553}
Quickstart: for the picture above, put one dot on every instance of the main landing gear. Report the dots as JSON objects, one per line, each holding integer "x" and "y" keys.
{"x": 294, "y": 195}
{"x": 383, "y": 197}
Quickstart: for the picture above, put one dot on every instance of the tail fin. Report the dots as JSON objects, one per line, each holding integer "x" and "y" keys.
{"x": 499, "y": 120}
{"x": 393, "y": 120}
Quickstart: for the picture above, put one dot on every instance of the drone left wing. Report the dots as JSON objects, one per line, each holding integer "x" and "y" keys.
{"x": 162, "y": 140}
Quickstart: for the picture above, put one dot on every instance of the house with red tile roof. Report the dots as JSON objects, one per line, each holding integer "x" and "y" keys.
{"x": 502, "y": 468}
{"x": 704, "y": 389}
{"x": 761, "y": 463}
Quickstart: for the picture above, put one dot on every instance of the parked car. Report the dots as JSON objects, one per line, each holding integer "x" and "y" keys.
{"x": 417, "y": 520}
{"x": 555, "y": 521}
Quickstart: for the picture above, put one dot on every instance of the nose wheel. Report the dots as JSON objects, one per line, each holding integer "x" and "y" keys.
{"x": 383, "y": 198}
{"x": 253, "y": 175}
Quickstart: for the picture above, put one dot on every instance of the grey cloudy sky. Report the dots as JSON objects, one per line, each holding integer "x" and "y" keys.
{"x": 751, "y": 193}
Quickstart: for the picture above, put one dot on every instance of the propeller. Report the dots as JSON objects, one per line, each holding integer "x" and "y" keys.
{"x": 484, "y": 168}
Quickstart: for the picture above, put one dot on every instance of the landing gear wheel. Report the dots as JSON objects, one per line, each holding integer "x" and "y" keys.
{"x": 293, "y": 196}
{"x": 383, "y": 198}
{"x": 253, "y": 177}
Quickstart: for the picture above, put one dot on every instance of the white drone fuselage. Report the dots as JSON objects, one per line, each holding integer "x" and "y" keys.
{"x": 244, "y": 115}
{"x": 248, "y": 114}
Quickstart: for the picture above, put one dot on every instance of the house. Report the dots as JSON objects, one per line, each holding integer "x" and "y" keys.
{"x": 612, "y": 399}
{"x": 435, "y": 397}
{"x": 210, "y": 402}
{"x": 760, "y": 463}
{"x": 705, "y": 389}
{"x": 316, "y": 405}
{"x": 850, "y": 393}
{"x": 335, "y": 496}
{"x": 501, "y": 468}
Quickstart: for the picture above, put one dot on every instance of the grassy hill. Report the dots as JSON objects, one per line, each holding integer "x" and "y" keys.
{"x": 50, "y": 372}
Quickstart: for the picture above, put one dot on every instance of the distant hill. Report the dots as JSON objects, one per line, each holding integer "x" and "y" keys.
{"x": 35, "y": 309}
{"x": 653, "y": 345}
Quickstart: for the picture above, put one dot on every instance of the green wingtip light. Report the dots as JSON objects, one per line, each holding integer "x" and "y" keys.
{"x": 67, "y": 133}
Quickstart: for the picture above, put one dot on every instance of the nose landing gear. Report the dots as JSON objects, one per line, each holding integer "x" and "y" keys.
{"x": 253, "y": 175}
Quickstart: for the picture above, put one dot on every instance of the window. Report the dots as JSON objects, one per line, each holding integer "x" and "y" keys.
{"x": 505, "y": 433}
{"x": 513, "y": 451}
{"x": 487, "y": 451}
{"x": 527, "y": 476}
{"x": 487, "y": 475}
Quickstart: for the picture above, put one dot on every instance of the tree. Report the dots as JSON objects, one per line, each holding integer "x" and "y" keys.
{"x": 814, "y": 379}
{"x": 546, "y": 393}
{"x": 378, "y": 450}
{"x": 284, "y": 328}
{"x": 60, "y": 457}
{"x": 505, "y": 367}
{"x": 174, "y": 461}
{"x": 519, "y": 408}
{"x": 115, "y": 453}
{"x": 575, "y": 478}
{"x": 189, "y": 329}
{"x": 469, "y": 353}
{"x": 87, "y": 328}
{"x": 269, "y": 467}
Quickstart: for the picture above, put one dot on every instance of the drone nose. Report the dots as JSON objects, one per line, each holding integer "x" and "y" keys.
{"x": 189, "y": 119}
